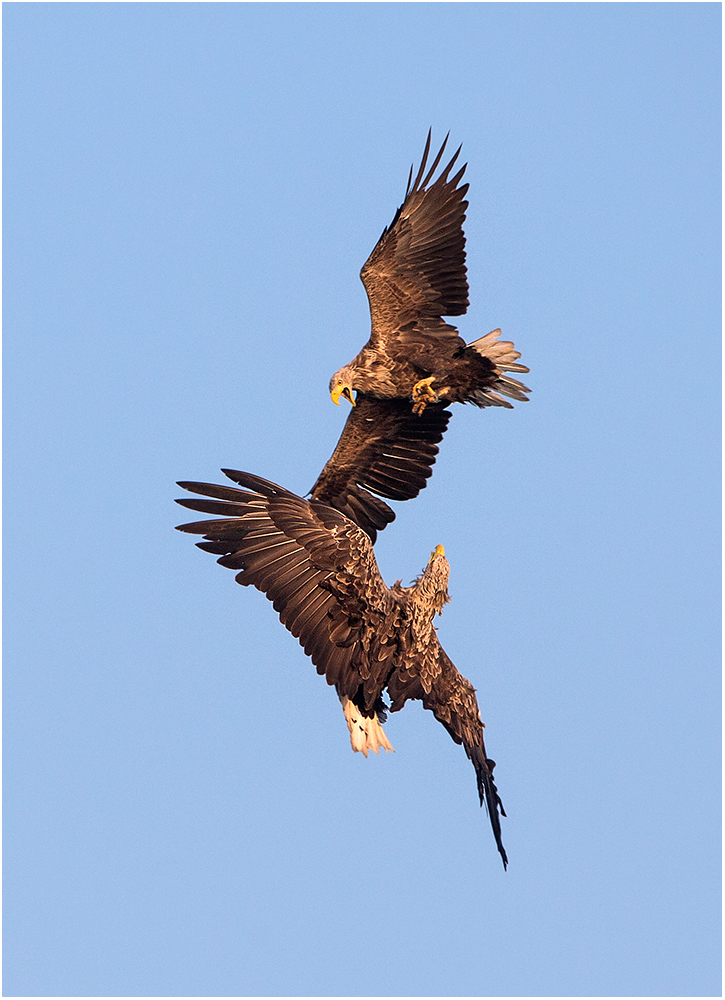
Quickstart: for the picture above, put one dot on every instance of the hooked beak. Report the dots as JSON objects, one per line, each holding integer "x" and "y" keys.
{"x": 438, "y": 551}
{"x": 342, "y": 390}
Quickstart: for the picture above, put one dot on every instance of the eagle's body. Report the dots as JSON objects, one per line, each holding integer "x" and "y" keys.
{"x": 319, "y": 570}
{"x": 414, "y": 277}
{"x": 458, "y": 372}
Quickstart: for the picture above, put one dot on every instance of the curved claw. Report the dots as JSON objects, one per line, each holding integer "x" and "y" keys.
{"x": 422, "y": 394}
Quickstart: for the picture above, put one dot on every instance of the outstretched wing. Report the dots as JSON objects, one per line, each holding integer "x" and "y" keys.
{"x": 316, "y": 566}
{"x": 417, "y": 272}
{"x": 384, "y": 448}
{"x": 452, "y": 699}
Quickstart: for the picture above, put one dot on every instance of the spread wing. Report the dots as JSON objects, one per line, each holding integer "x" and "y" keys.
{"x": 452, "y": 699}
{"x": 384, "y": 448}
{"x": 417, "y": 272}
{"x": 316, "y": 566}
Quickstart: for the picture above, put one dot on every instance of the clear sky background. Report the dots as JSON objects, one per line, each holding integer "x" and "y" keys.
{"x": 190, "y": 191}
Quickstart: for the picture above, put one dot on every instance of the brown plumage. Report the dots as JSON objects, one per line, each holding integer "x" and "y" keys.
{"x": 414, "y": 277}
{"x": 384, "y": 449}
{"x": 319, "y": 570}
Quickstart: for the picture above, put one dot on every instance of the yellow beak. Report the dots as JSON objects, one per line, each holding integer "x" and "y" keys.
{"x": 342, "y": 390}
{"x": 438, "y": 551}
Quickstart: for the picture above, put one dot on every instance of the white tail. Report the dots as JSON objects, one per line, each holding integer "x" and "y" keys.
{"x": 504, "y": 356}
{"x": 365, "y": 734}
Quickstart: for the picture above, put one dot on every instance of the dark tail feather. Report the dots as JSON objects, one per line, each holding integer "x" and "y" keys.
{"x": 488, "y": 793}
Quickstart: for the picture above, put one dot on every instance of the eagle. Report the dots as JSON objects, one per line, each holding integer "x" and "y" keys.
{"x": 414, "y": 277}
{"x": 318, "y": 568}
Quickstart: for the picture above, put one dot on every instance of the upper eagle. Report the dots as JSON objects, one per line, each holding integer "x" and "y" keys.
{"x": 319, "y": 569}
{"x": 416, "y": 275}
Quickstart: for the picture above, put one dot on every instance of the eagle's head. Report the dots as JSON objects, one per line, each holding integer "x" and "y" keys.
{"x": 341, "y": 385}
{"x": 436, "y": 576}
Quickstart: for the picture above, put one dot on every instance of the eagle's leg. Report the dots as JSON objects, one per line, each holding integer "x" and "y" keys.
{"x": 365, "y": 734}
{"x": 422, "y": 394}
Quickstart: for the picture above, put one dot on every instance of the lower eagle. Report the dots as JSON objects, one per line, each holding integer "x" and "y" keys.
{"x": 319, "y": 570}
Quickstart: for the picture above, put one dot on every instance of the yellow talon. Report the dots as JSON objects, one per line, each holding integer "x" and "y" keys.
{"x": 422, "y": 394}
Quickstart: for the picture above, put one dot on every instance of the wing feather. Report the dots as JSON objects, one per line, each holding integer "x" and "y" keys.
{"x": 452, "y": 699}
{"x": 316, "y": 566}
{"x": 305, "y": 615}
{"x": 417, "y": 270}
{"x": 384, "y": 449}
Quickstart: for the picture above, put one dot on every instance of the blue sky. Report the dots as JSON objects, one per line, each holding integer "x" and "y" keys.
{"x": 190, "y": 191}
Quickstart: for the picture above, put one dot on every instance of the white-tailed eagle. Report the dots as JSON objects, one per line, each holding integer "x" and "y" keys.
{"x": 319, "y": 570}
{"x": 414, "y": 277}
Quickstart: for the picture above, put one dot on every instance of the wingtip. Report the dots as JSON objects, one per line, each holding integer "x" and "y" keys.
{"x": 424, "y": 160}
{"x": 488, "y": 795}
